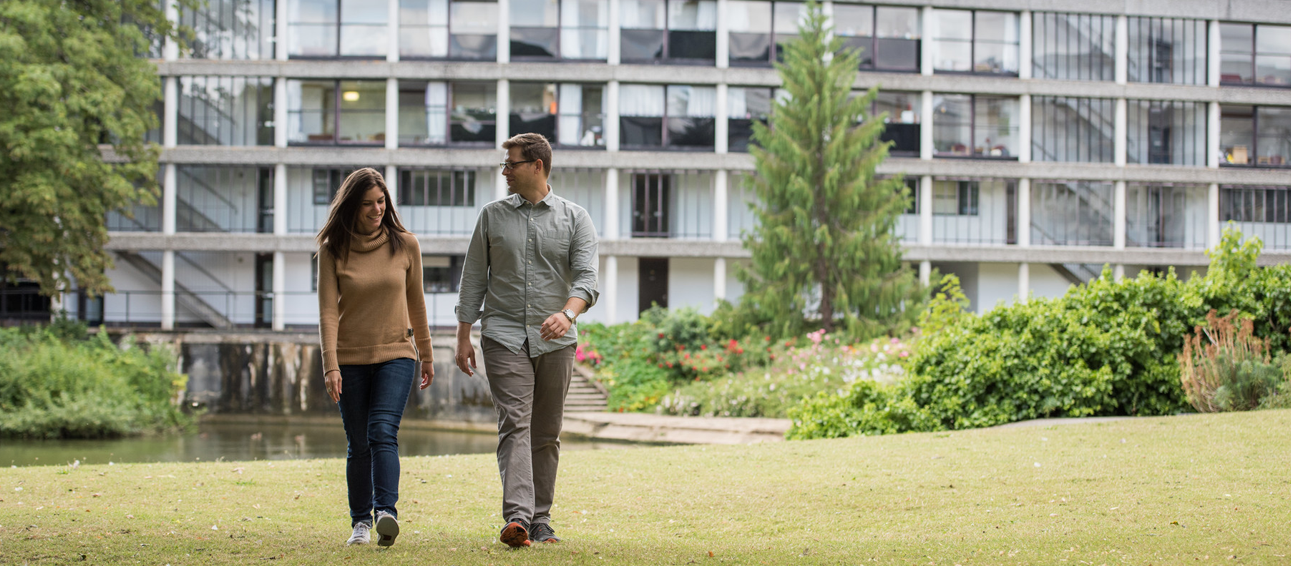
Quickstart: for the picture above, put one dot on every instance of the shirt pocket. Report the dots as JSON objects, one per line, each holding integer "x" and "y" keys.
{"x": 555, "y": 245}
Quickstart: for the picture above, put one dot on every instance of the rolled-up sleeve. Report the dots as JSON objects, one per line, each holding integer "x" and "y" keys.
{"x": 584, "y": 259}
{"x": 475, "y": 274}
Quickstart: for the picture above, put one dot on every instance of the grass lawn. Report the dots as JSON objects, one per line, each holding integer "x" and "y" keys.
{"x": 1194, "y": 489}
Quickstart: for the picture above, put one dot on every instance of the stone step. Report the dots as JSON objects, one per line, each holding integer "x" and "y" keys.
{"x": 583, "y": 395}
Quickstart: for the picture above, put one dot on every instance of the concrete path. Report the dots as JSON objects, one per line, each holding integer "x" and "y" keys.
{"x": 640, "y": 427}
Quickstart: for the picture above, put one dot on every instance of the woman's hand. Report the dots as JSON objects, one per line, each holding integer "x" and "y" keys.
{"x": 427, "y": 374}
{"x": 333, "y": 381}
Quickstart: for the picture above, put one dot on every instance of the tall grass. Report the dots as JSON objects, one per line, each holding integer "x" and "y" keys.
{"x": 57, "y": 383}
{"x": 1224, "y": 367}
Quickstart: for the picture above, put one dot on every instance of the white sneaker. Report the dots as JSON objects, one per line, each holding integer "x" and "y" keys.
{"x": 387, "y": 528}
{"x": 362, "y": 534}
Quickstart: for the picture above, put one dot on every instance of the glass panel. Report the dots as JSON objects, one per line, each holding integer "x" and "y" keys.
{"x": 897, "y": 23}
{"x": 1072, "y": 129}
{"x": 533, "y": 109}
{"x": 641, "y": 100}
{"x": 787, "y": 16}
{"x": 898, "y": 54}
{"x": 952, "y": 124}
{"x": 1165, "y": 216}
{"x": 698, "y": 45}
{"x": 423, "y": 28}
{"x": 363, "y": 111}
{"x": 995, "y": 58}
{"x": 641, "y": 44}
{"x": 534, "y": 42}
{"x": 1071, "y": 213}
{"x": 1236, "y": 43}
{"x": 745, "y": 106}
{"x": 474, "y": 113}
{"x": 692, "y": 15}
{"x": 1166, "y": 132}
{"x": 636, "y": 131}
{"x": 749, "y": 16}
{"x": 311, "y": 111}
{"x": 313, "y": 26}
{"x": 583, "y": 29}
{"x": 902, "y": 120}
{"x": 474, "y": 18}
{"x": 1274, "y": 137}
{"x": 995, "y": 126}
{"x": 581, "y": 115}
{"x": 1237, "y": 134}
{"x": 1000, "y": 27}
{"x": 1073, "y": 47}
{"x": 423, "y": 113}
{"x": 231, "y": 29}
{"x": 1164, "y": 50}
{"x": 363, "y": 28}
{"x": 642, "y": 14}
{"x": 225, "y": 111}
{"x": 1272, "y": 40}
{"x": 954, "y": 25}
{"x": 1273, "y": 70}
{"x": 535, "y": 13}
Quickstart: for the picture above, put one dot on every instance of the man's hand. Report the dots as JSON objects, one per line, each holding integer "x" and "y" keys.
{"x": 555, "y": 326}
{"x": 465, "y": 357}
{"x": 427, "y": 374}
{"x": 333, "y": 381}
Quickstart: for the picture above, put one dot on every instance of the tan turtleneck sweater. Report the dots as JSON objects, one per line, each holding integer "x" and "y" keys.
{"x": 368, "y": 301}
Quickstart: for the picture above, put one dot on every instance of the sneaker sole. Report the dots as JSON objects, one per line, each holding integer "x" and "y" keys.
{"x": 515, "y": 535}
{"x": 387, "y": 529}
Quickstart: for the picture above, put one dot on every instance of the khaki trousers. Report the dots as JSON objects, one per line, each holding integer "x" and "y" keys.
{"x": 529, "y": 397}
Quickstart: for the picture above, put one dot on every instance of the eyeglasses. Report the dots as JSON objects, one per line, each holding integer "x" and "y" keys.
{"x": 512, "y": 164}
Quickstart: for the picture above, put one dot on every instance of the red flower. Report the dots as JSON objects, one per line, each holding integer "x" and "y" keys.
{"x": 703, "y": 346}
{"x": 669, "y": 365}
{"x": 661, "y": 335}
{"x": 739, "y": 351}
{"x": 660, "y": 365}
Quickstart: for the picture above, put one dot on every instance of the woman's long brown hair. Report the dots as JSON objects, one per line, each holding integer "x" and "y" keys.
{"x": 339, "y": 230}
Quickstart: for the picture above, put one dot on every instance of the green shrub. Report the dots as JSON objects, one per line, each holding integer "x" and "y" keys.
{"x": 1281, "y": 398}
{"x": 634, "y": 385}
{"x": 1224, "y": 367}
{"x": 55, "y": 386}
{"x": 866, "y": 408}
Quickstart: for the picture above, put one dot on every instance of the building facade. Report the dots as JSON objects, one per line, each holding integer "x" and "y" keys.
{"x": 1041, "y": 139}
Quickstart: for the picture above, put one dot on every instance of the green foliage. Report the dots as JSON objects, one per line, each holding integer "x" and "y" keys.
{"x": 1233, "y": 281}
{"x": 1224, "y": 367}
{"x": 867, "y": 408}
{"x": 69, "y": 81}
{"x": 634, "y": 385}
{"x": 53, "y": 387}
{"x": 1281, "y": 398}
{"x": 946, "y": 309}
{"x": 823, "y": 241}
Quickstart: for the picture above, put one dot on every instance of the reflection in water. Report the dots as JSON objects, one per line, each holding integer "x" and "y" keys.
{"x": 230, "y": 441}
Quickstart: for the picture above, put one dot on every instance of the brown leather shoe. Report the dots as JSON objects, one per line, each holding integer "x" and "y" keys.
{"x": 515, "y": 534}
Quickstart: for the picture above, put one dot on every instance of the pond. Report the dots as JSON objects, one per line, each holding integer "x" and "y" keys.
{"x": 250, "y": 441}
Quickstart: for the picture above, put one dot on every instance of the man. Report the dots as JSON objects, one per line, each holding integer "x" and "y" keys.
{"x": 532, "y": 265}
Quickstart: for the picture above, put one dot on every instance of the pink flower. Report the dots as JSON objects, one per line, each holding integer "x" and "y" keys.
{"x": 905, "y": 354}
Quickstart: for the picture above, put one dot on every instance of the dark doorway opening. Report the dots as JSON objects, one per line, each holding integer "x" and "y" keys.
{"x": 652, "y": 285}
{"x": 264, "y": 291}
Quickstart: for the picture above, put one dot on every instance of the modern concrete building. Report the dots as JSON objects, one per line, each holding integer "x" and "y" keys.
{"x": 1041, "y": 138}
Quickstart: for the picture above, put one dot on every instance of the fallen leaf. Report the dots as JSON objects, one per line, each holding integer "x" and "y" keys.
{"x": 710, "y": 554}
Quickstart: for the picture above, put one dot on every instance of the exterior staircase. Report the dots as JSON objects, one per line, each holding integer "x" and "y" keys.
{"x": 585, "y": 394}
{"x": 183, "y": 297}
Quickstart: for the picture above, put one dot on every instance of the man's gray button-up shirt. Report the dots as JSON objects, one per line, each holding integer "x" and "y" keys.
{"x": 524, "y": 262}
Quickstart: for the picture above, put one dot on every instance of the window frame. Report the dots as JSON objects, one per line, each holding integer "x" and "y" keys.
{"x": 664, "y": 141}
{"x": 560, "y": 33}
{"x": 337, "y": 95}
{"x": 972, "y": 57}
{"x": 874, "y": 40}
{"x": 555, "y": 140}
{"x": 1254, "y": 55}
{"x": 665, "y": 58}
{"x": 448, "y": 30}
{"x": 263, "y": 128}
{"x": 405, "y": 187}
{"x": 773, "y": 50}
{"x": 972, "y": 128}
{"x": 1106, "y": 72}
{"x": 338, "y": 25}
{"x": 1200, "y": 76}
{"x": 1253, "y": 155}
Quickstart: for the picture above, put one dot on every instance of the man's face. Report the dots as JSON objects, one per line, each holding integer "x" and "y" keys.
{"x": 523, "y": 175}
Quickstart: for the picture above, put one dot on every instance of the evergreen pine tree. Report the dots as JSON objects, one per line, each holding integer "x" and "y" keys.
{"x": 824, "y": 239}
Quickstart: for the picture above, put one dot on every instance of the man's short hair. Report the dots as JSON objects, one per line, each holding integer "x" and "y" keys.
{"x": 532, "y": 146}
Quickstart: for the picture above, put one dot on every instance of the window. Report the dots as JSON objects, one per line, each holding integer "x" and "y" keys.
{"x": 675, "y": 31}
{"x": 650, "y": 204}
{"x": 886, "y": 38}
{"x": 1073, "y": 47}
{"x": 564, "y": 29}
{"x": 1255, "y": 55}
{"x": 448, "y": 29}
{"x": 1255, "y": 204}
{"x": 1167, "y": 50}
{"x": 473, "y": 113}
{"x": 1166, "y": 132}
{"x": 967, "y": 125}
{"x": 1165, "y": 215}
{"x": 313, "y": 273}
{"x": 566, "y": 114}
{"x": 911, "y": 195}
{"x": 223, "y": 198}
{"x": 675, "y": 116}
{"x": 956, "y": 198}
{"x": 225, "y": 111}
{"x": 968, "y": 41}
{"x": 438, "y": 113}
{"x": 331, "y": 112}
{"x": 1072, "y": 213}
{"x": 1255, "y": 135}
{"x": 1072, "y": 129}
{"x": 746, "y": 106}
{"x": 973, "y": 211}
{"x": 902, "y": 122}
{"x": 436, "y": 187}
{"x": 755, "y": 26}
{"x": 331, "y": 28}
{"x": 441, "y": 273}
{"x": 326, "y": 182}
{"x": 231, "y": 29}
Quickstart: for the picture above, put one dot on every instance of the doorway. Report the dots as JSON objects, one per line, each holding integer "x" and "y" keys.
{"x": 652, "y": 285}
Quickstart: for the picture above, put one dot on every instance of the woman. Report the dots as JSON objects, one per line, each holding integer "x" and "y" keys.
{"x": 370, "y": 303}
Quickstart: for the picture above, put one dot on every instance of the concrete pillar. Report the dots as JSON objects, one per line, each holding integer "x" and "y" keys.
{"x": 929, "y": 28}
{"x": 1024, "y": 281}
{"x": 392, "y": 33}
{"x": 504, "y": 31}
{"x": 722, "y": 124}
{"x": 279, "y": 292}
{"x": 1213, "y": 152}
{"x": 170, "y": 112}
{"x": 612, "y": 116}
{"x": 280, "y": 120}
{"x": 1024, "y": 45}
{"x": 1118, "y": 272}
{"x": 280, "y": 31}
{"x": 392, "y": 114}
{"x": 170, "y": 50}
{"x": 723, "y": 35}
{"x": 925, "y": 125}
{"x": 1118, "y": 216}
{"x": 169, "y": 191}
{"x": 280, "y": 199}
{"x": 1212, "y": 53}
{"x": 1214, "y": 230}
{"x": 719, "y": 279}
{"x": 610, "y": 290}
{"x": 1024, "y": 129}
{"x": 613, "y": 52}
{"x": 168, "y": 290}
{"x": 279, "y": 230}
{"x": 925, "y": 210}
{"x": 1122, "y": 49}
{"x": 504, "y": 111}
{"x": 1120, "y": 134}
{"x": 925, "y": 272}
{"x": 721, "y": 206}
{"x": 610, "y": 224}
{"x": 1024, "y": 213}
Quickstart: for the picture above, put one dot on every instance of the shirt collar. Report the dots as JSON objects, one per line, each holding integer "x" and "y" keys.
{"x": 518, "y": 201}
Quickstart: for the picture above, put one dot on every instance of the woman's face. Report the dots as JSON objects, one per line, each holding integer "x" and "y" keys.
{"x": 371, "y": 209}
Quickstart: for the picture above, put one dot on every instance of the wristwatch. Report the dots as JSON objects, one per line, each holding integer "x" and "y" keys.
{"x": 569, "y": 313}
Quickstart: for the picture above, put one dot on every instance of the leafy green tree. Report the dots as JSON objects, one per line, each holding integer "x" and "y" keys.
{"x": 824, "y": 239}
{"x": 71, "y": 79}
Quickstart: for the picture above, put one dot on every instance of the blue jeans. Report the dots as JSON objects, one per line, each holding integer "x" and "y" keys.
{"x": 373, "y": 397}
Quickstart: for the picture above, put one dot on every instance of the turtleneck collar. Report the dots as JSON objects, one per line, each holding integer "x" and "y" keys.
{"x": 364, "y": 243}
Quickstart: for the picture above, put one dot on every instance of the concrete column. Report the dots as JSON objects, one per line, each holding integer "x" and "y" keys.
{"x": 925, "y": 210}
{"x": 1024, "y": 282}
{"x": 504, "y": 31}
{"x": 723, "y": 35}
{"x": 280, "y": 32}
{"x": 279, "y": 292}
{"x": 392, "y": 113}
{"x": 1024, "y": 129}
{"x": 1024, "y": 45}
{"x": 1120, "y": 134}
{"x": 168, "y": 290}
{"x": 721, "y": 206}
{"x": 392, "y": 33}
{"x": 612, "y": 116}
{"x": 280, "y": 230}
{"x": 280, "y": 120}
{"x": 170, "y": 49}
{"x": 722, "y": 124}
{"x": 719, "y": 279}
{"x": 1118, "y": 216}
{"x": 610, "y": 224}
{"x": 613, "y": 52}
{"x": 1118, "y": 272}
{"x": 1213, "y": 152}
{"x": 1214, "y": 230}
{"x": 925, "y": 125}
{"x": 610, "y": 290}
{"x": 929, "y": 31}
{"x": 392, "y": 180}
{"x": 1212, "y": 53}
{"x": 170, "y": 112}
{"x": 1122, "y": 49}
{"x": 1024, "y": 213}
{"x": 925, "y": 272}
{"x": 169, "y": 192}
{"x": 280, "y": 199}
{"x": 504, "y": 111}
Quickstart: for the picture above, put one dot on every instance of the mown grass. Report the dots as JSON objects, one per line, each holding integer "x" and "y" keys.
{"x": 1191, "y": 489}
